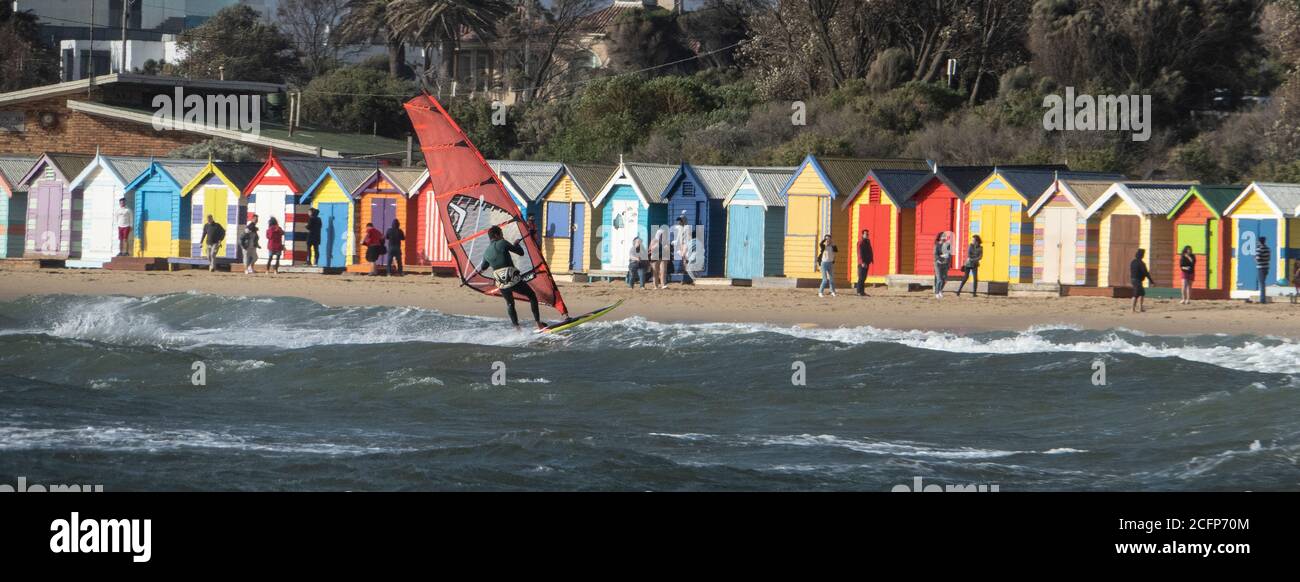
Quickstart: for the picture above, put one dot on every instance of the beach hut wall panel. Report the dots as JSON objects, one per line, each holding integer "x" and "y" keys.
{"x": 1065, "y": 243}
{"x": 219, "y": 190}
{"x": 13, "y": 204}
{"x": 430, "y": 247}
{"x": 566, "y": 219}
{"x": 815, "y": 208}
{"x": 883, "y": 207}
{"x": 162, "y": 215}
{"x": 628, "y": 205}
{"x": 53, "y": 208}
{"x": 1199, "y": 223}
{"x": 1264, "y": 210}
{"x": 697, "y": 193}
{"x": 755, "y": 233}
{"x": 100, "y": 186}
{"x": 408, "y": 183}
{"x": 938, "y": 210}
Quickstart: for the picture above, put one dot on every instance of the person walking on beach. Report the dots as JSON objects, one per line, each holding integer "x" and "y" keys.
{"x": 1137, "y": 272}
{"x": 1187, "y": 266}
{"x": 394, "y": 237}
{"x": 313, "y": 237}
{"x": 374, "y": 243}
{"x": 942, "y": 260}
{"x": 211, "y": 241}
{"x": 660, "y": 252}
{"x": 1295, "y": 280}
{"x": 638, "y": 257}
{"x": 864, "y": 261}
{"x": 122, "y": 217}
{"x": 248, "y": 241}
{"x": 274, "y": 244}
{"x": 506, "y": 276}
{"x": 1263, "y": 255}
{"x": 826, "y": 261}
{"x": 974, "y": 253}
{"x": 682, "y": 247}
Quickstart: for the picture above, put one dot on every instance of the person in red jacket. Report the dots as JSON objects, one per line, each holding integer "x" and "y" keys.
{"x": 374, "y": 243}
{"x": 274, "y": 244}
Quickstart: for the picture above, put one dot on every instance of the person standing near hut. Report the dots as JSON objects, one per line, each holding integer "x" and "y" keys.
{"x": 974, "y": 254}
{"x": 274, "y": 244}
{"x": 374, "y": 243}
{"x": 313, "y": 237}
{"x": 394, "y": 238}
{"x": 682, "y": 247}
{"x": 122, "y": 217}
{"x": 1263, "y": 255}
{"x": 638, "y": 258}
{"x": 506, "y": 276}
{"x": 865, "y": 257}
{"x": 213, "y": 236}
{"x": 1138, "y": 272}
{"x": 659, "y": 255}
{"x": 942, "y": 260}
{"x": 1187, "y": 265}
{"x": 826, "y": 262}
{"x": 248, "y": 241}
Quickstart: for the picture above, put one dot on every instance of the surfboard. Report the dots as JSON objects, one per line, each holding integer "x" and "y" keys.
{"x": 573, "y": 322}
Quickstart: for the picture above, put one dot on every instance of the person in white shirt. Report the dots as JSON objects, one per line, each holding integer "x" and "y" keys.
{"x": 660, "y": 253}
{"x": 826, "y": 263}
{"x": 122, "y": 217}
{"x": 682, "y": 247}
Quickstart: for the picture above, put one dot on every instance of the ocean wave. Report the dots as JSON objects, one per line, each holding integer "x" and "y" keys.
{"x": 861, "y": 445}
{"x": 128, "y": 439}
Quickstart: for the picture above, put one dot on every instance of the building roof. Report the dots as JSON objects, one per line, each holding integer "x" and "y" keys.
{"x": 351, "y": 178}
{"x": 239, "y": 173}
{"x": 1215, "y": 197}
{"x": 69, "y": 165}
{"x": 183, "y": 171}
{"x": 404, "y": 178}
{"x": 12, "y": 169}
{"x": 846, "y": 174}
{"x": 306, "y": 171}
{"x": 161, "y": 81}
{"x": 963, "y": 179}
{"x": 1146, "y": 197}
{"x": 652, "y": 180}
{"x": 898, "y": 185}
{"x": 305, "y": 140}
{"x": 718, "y": 180}
{"x": 1032, "y": 182}
{"x": 589, "y": 178}
{"x": 1087, "y": 191}
{"x": 128, "y": 167}
{"x": 769, "y": 182}
{"x": 529, "y": 179}
{"x": 1285, "y": 196}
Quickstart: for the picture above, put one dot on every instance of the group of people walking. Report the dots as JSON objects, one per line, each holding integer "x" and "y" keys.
{"x": 666, "y": 246}
{"x": 386, "y": 245}
{"x": 827, "y": 249}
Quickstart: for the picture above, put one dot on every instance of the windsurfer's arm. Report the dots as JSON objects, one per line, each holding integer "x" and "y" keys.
{"x": 516, "y": 248}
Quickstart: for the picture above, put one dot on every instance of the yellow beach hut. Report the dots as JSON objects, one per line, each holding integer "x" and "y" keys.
{"x": 566, "y": 217}
{"x": 1132, "y": 216}
{"x": 218, "y": 190}
{"x": 1269, "y": 210}
{"x": 815, "y": 207}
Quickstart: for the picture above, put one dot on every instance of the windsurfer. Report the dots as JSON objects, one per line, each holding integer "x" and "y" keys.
{"x": 506, "y": 276}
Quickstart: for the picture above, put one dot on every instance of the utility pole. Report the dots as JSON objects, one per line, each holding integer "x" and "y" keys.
{"x": 528, "y": 33}
{"x": 90, "y": 62}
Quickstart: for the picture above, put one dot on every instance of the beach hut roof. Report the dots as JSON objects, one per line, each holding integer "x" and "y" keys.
{"x": 768, "y": 182}
{"x": 123, "y": 169}
{"x": 239, "y": 173}
{"x": 898, "y": 185}
{"x": 1284, "y": 198}
{"x": 406, "y": 179}
{"x": 963, "y": 179}
{"x": 1032, "y": 182}
{"x": 1147, "y": 197}
{"x": 304, "y": 172}
{"x": 717, "y": 181}
{"x": 1216, "y": 198}
{"x": 528, "y": 180}
{"x": 845, "y": 175}
{"x": 183, "y": 171}
{"x": 589, "y": 178}
{"x": 12, "y": 169}
{"x": 68, "y": 166}
{"x": 1081, "y": 193}
{"x": 651, "y": 180}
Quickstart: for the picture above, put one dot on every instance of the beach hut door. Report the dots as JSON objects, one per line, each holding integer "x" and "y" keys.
{"x": 334, "y": 228}
{"x": 624, "y": 229}
{"x": 745, "y": 244}
{"x": 995, "y": 229}
{"x": 576, "y": 223}
{"x": 1125, "y": 233}
{"x": 1248, "y": 233}
{"x": 382, "y": 212}
{"x": 49, "y": 220}
{"x": 1058, "y": 246}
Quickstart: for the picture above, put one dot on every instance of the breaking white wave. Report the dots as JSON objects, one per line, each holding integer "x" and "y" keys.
{"x": 128, "y": 439}
{"x": 861, "y": 445}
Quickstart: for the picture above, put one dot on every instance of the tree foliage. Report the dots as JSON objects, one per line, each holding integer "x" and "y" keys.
{"x": 237, "y": 44}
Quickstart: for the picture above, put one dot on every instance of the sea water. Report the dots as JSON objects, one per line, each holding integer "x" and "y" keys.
{"x": 201, "y": 392}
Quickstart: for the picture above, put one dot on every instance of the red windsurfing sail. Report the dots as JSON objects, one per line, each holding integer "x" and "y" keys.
{"x": 473, "y": 200}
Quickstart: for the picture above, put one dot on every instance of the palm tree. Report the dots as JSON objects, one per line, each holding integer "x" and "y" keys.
{"x": 366, "y": 18}
{"x": 440, "y": 23}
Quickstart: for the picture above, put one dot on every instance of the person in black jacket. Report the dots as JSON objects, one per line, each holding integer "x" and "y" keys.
{"x": 394, "y": 237}
{"x": 1187, "y": 265}
{"x": 974, "y": 253}
{"x": 313, "y": 237}
{"x": 211, "y": 241}
{"x": 1137, "y": 272}
{"x": 1263, "y": 257}
{"x": 865, "y": 259}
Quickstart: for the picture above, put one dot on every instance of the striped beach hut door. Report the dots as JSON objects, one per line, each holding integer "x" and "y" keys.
{"x": 1059, "y": 246}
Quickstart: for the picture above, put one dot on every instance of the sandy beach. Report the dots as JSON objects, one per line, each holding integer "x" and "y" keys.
{"x": 882, "y": 308}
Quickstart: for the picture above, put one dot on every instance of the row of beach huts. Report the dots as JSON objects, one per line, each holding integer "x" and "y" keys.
{"x": 1043, "y": 227}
